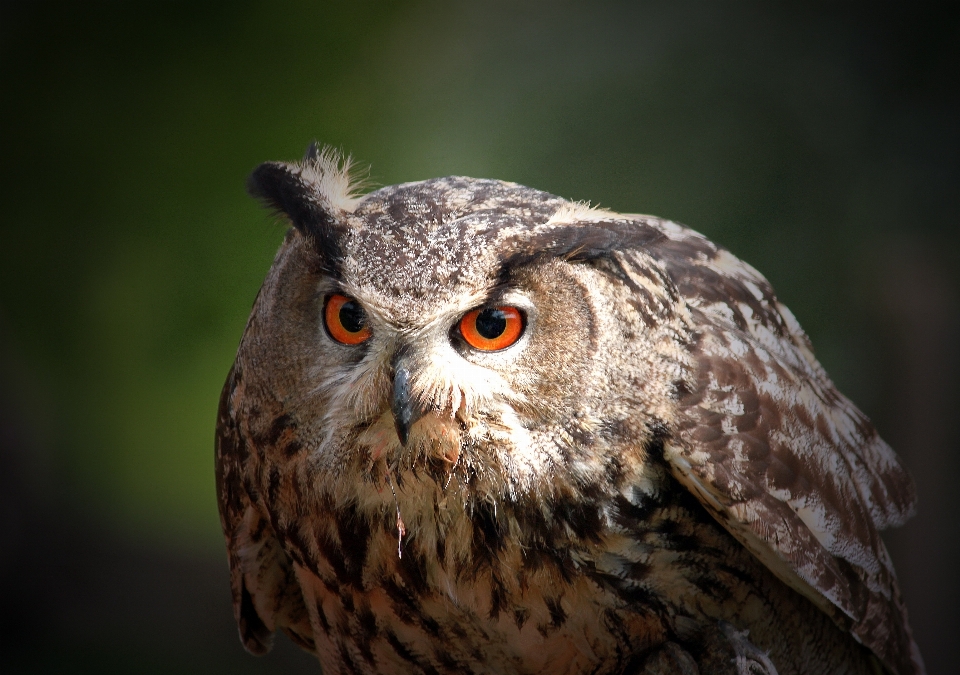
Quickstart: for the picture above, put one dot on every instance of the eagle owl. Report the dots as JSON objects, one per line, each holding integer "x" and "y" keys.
{"x": 475, "y": 428}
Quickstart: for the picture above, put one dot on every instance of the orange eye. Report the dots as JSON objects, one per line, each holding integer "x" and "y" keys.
{"x": 493, "y": 328}
{"x": 345, "y": 320}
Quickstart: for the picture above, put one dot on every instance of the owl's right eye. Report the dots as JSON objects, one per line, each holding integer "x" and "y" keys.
{"x": 345, "y": 320}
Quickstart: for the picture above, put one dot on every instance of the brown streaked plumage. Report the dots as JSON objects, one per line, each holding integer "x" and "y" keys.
{"x": 654, "y": 476}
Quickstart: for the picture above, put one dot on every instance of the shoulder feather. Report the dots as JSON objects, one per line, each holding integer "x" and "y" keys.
{"x": 784, "y": 461}
{"x": 265, "y": 593}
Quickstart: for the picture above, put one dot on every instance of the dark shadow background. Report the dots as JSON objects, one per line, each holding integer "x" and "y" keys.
{"x": 820, "y": 143}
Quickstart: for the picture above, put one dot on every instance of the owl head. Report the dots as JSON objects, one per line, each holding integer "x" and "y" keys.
{"x": 469, "y": 332}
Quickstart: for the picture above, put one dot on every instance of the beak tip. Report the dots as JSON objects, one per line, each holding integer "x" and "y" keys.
{"x": 402, "y": 432}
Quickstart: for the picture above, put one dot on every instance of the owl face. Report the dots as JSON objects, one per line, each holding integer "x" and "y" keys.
{"x": 426, "y": 339}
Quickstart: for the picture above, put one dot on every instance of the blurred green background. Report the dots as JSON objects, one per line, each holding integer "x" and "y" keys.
{"x": 819, "y": 142}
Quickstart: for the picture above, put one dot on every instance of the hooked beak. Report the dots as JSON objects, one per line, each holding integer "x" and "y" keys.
{"x": 406, "y": 409}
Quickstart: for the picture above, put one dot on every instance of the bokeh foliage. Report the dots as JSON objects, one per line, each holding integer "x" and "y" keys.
{"x": 816, "y": 142}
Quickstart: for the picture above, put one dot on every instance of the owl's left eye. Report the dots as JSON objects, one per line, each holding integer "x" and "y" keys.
{"x": 345, "y": 320}
{"x": 493, "y": 328}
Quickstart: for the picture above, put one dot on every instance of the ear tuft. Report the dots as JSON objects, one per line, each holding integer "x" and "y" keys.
{"x": 578, "y": 234}
{"x": 314, "y": 194}
{"x": 579, "y": 212}
{"x": 335, "y": 176}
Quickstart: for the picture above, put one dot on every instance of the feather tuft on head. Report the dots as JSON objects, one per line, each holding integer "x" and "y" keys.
{"x": 334, "y": 176}
{"x": 316, "y": 194}
{"x": 579, "y": 212}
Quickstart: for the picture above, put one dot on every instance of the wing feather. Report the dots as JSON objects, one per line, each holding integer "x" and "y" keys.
{"x": 266, "y": 595}
{"x": 783, "y": 461}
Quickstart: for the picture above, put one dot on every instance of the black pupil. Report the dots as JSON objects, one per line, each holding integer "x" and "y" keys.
{"x": 351, "y": 317}
{"x": 491, "y": 323}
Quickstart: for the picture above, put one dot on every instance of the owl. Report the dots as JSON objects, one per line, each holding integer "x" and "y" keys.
{"x": 473, "y": 427}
